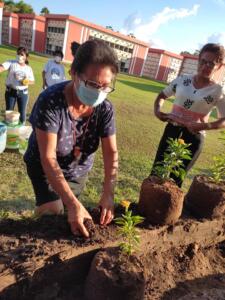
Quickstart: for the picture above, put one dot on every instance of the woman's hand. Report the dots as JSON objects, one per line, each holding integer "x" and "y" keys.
{"x": 107, "y": 209}
{"x": 77, "y": 214}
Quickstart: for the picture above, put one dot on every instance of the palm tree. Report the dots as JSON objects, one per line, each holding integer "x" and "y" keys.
{"x": 44, "y": 11}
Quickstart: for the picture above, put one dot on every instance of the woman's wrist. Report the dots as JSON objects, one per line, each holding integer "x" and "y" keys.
{"x": 71, "y": 202}
{"x": 108, "y": 186}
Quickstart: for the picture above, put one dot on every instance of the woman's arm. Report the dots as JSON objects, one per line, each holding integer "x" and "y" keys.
{"x": 195, "y": 127}
{"x": 110, "y": 158}
{"x": 44, "y": 83}
{"x": 76, "y": 212}
{"x": 159, "y": 101}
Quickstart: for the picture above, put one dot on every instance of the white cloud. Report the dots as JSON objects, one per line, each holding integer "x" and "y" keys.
{"x": 145, "y": 31}
{"x": 218, "y": 37}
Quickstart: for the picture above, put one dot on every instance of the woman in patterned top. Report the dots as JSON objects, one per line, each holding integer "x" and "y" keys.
{"x": 69, "y": 121}
{"x": 195, "y": 97}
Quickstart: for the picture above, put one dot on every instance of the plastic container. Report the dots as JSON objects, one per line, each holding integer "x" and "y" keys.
{"x": 13, "y": 133}
{"x": 12, "y": 117}
{"x": 3, "y": 136}
{"x": 24, "y": 134}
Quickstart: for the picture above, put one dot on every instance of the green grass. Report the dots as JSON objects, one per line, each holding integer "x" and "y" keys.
{"x": 138, "y": 135}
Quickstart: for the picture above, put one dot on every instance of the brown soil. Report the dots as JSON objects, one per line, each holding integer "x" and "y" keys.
{"x": 161, "y": 202}
{"x": 205, "y": 198}
{"x": 42, "y": 260}
{"x": 113, "y": 276}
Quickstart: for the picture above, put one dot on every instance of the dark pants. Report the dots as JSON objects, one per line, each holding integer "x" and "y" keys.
{"x": 21, "y": 97}
{"x": 43, "y": 191}
{"x": 175, "y": 132}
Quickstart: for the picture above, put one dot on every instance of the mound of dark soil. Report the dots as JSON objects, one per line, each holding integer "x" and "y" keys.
{"x": 205, "y": 198}
{"x": 161, "y": 202}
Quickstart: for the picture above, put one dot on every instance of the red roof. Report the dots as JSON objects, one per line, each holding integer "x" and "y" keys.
{"x": 97, "y": 27}
{"x": 195, "y": 57}
{"x": 161, "y": 51}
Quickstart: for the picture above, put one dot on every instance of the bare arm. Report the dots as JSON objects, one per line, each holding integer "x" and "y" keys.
{"x": 110, "y": 158}
{"x": 76, "y": 212}
{"x": 159, "y": 101}
{"x": 44, "y": 83}
{"x": 195, "y": 127}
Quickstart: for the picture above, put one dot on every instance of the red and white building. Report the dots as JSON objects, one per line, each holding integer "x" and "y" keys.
{"x": 165, "y": 66}
{"x": 1, "y": 17}
{"x": 45, "y": 34}
{"x": 57, "y": 32}
{"x": 162, "y": 65}
{"x": 62, "y": 30}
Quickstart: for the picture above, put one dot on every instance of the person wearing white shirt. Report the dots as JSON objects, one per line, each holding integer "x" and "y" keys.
{"x": 195, "y": 97}
{"x": 54, "y": 71}
{"x": 20, "y": 76}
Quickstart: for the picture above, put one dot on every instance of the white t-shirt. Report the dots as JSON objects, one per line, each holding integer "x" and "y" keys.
{"x": 193, "y": 104}
{"x": 55, "y": 72}
{"x": 16, "y": 74}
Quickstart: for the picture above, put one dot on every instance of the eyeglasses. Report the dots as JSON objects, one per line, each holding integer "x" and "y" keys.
{"x": 95, "y": 85}
{"x": 210, "y": 64}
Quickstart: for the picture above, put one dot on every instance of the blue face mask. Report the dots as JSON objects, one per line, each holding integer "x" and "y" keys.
{"x": 90, "y": 96}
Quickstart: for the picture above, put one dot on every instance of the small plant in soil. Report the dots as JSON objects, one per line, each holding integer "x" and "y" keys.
{"x": 173, "y": 158}
{"x": 218, "y": 168}
{"x": 127, "y": 230}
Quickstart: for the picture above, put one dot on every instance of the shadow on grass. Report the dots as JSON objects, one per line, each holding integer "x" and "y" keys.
{"x": 17, "y": 205}
{"x": 143, "y": 86}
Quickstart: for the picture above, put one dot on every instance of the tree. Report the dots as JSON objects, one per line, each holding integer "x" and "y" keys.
{"x": 9, "y": 6}
{"x": 44, "y": 11}
{"x": 196, "y": 52}
{"x": 132, "y": 35}
{"x": 18, "y": 7}
{"x": 24, "y": 8}
{"x": 185, "y": 52}
{"x": 109, "y": 27}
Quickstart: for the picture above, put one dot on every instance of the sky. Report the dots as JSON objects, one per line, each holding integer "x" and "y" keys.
{"x": 171, "y": 25}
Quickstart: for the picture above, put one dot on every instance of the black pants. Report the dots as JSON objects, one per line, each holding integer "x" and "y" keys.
{"x": 43, "y": 191}
{"x": 196, "y": 140}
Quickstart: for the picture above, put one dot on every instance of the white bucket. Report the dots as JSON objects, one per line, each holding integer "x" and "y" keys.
{"x": 12, "y": 117}
{"x": 3, "y": 136}
{"x": 13, "y": 133}
{"x": 24, "y": 134}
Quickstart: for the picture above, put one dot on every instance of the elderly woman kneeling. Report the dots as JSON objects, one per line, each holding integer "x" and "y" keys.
{"x": 69, "y": 121}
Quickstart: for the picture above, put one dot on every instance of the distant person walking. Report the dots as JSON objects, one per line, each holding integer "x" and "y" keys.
{"x": 54, "y": 71}
{"x": 20, "y": 76}
{"x": 195, "y": 97}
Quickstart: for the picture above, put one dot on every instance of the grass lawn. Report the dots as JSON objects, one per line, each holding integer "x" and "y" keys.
{"x": 138, "y": 134}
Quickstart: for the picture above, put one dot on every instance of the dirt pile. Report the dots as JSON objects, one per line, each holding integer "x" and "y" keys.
{"x": 42, "y": 260}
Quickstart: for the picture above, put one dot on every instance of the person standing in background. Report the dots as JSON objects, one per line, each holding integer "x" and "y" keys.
{"x": 195, "y": 97}
{"x": 20, "y": 76}
{"x": 54, "y": 71}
